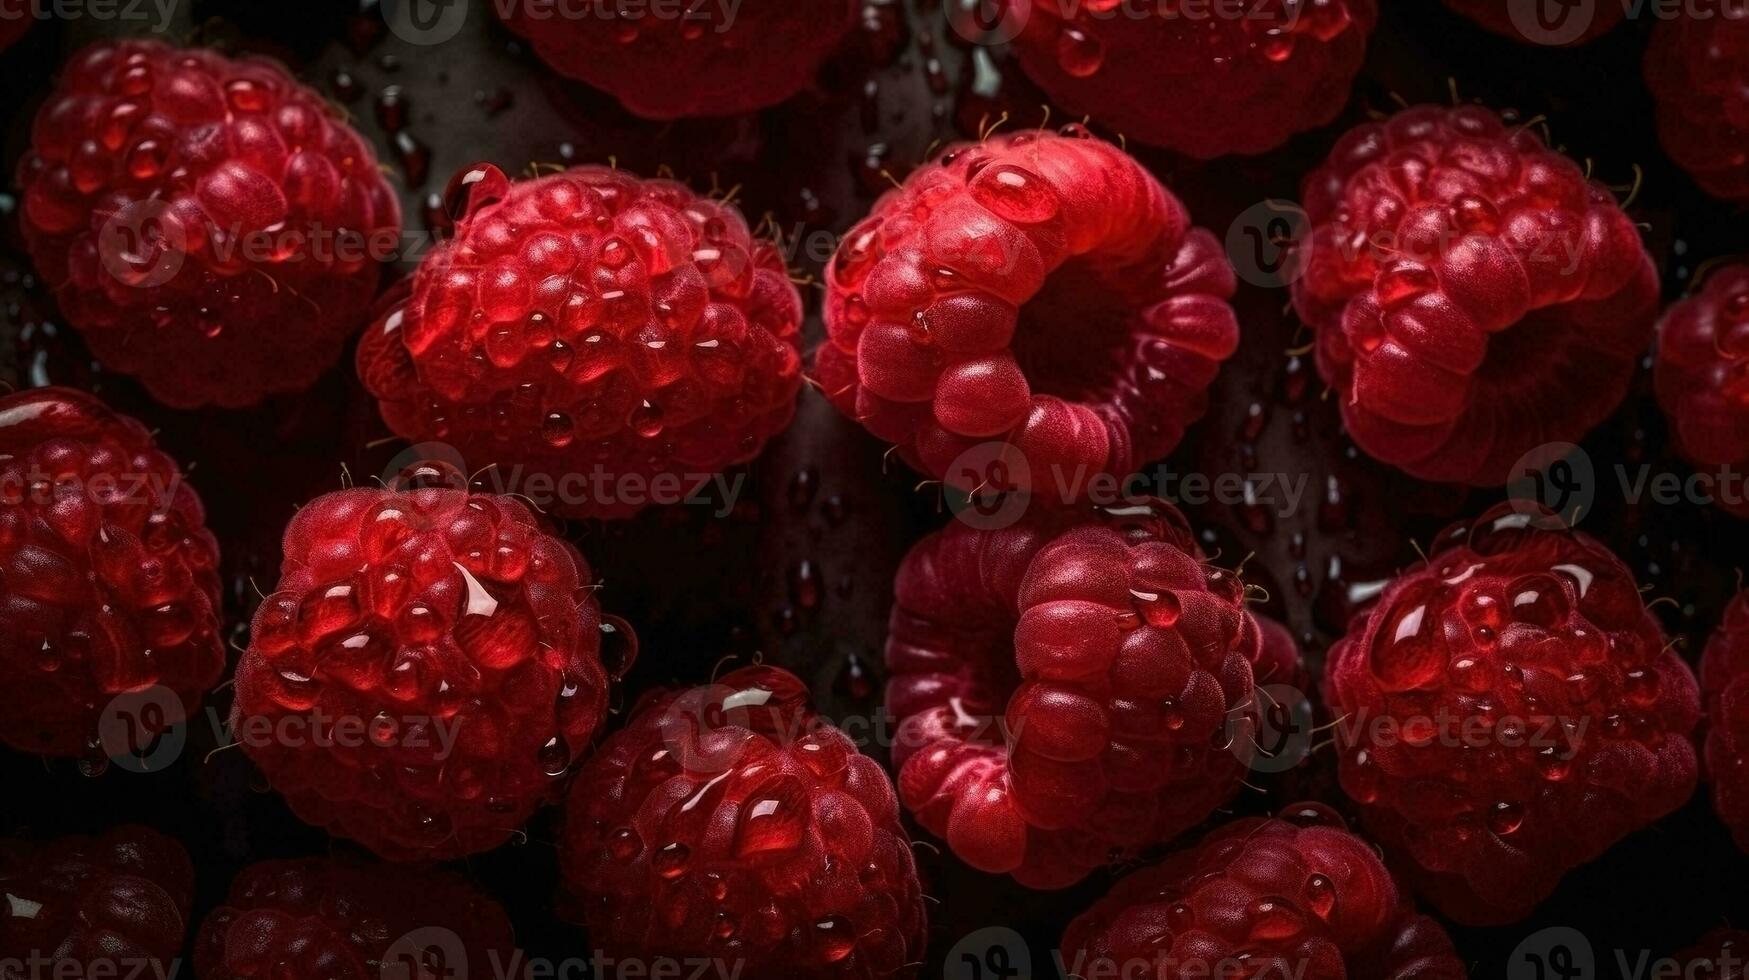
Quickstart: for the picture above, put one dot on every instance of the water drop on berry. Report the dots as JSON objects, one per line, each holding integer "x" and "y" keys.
{"x": 473, "y": 188}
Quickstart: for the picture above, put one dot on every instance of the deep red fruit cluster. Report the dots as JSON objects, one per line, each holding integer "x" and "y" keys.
{"x": 1200, "y": 83}
{"x": 730, "y": 821}
{"x": 1724, "y": 684}
{"x": 115, "y": 905}
{"x": 209, "y": 225}
{"x": 595, "y": 329}
{"x": 108, "y": 574}
{"x": 343, "y": 921}
{"x": 1299, "y": 897}
{"x": 1475, "y": 296}
{"x": 1510, "y": 710}
{"x": 427, "y": 671}
{"x": 700, "y": 59}
{"x": 1039, "y": 296}
{"x": 1695, "y": 67}
{"x": 1068, "y": 697}
{"x": 1573, "y": 23}
{"x": 1702, "y": 375}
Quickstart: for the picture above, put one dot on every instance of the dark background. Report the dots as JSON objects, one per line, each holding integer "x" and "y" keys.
{"x": 801, "y": 572}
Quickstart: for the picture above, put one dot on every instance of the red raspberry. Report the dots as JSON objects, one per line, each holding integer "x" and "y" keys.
{"x": 1724, "y": 683}
{"x": 1722, "y": 954}
{"x": 1038, "y": 292}
{"x": 109, "y": 579}
{"x": 731, "y": 821}
{"x": 1702, "y": 376}
{"x": 1228, "y": 81}
{"x": 1577, "y": 21}
{"x": 205, "y": 223}
{"x": 1067, "y": 699}
{"x": 427, "y": 671}
{"x": 111, "y": 906}
{"x": 1510, "y": 711}
{"x": 591, "y": 322}
{"x": 1269, "y": 897}
{"x": 1694, "y": 67}
{"x": 1474, "y": 295}
{"x": 713, "y": 59}
{"x": 344, "y": 921}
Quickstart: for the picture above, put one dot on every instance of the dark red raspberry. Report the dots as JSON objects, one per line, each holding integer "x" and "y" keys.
{"x": 15, "y": 22}
{"x": 706, "y": 58}
{"x": 109, "y": 579}
{"x": 426, "y": 674}
{"x": 1509, "y": 712}
{"x": 1263, "y": 898}
{"x": 1724, "y": 684}
{"x": 1695, "y": 64}
{"x": 1039, "y": 294}
{"x": 209, "y": 225}
{"x": 1575, "y": 21}
{"x": 588, "y": 322}
{"x": 114, "y": 906}
{"x": 1234, "y": 79}
{"x": 1474, "y": 295}
{"x": 1702, "y": 377}
{"x": 1067, "y": 699}
{"x": 336, "y": 920}
{"x": 731, "y": 821}
{"x": 1722, "y": 954}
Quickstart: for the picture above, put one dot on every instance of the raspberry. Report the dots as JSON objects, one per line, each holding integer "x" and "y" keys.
{"x": 1511, "y": 710}
{"x": 730, "y": 821}
{"x": 1272, "y": 898}
{"x": 1524, "y": 21}
{"x": 346, "y": 921}
{"x": 204, "y": 222}
{"x": 1702, "y": 375}
{"x": 427, "y": 671}
{"x": 1038, "y": 292}
{"x": 589, "y": 321}
{"x": 1724, "y": 683}
{"x": 1722, "y": 954}
{"x": 1474, "y": 295}
{"x": 1693, "y": 64}
{"x": 1239, "y": 81}
{"x": 713, "y": 59}
{"x": 112, "y": 906}
{"x": 109, "y": 580}
{"x": 1120, "y": 667}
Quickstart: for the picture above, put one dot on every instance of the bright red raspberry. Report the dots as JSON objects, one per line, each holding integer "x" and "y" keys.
{"x": 1724, "y": 684}
{"x": 1039, "y": 294}
{"x": 1573, "y": 22}
{"x": 589, "y": 322}
{"x": 115, "y": 905}
{"x": 109, "y": 580}
{"x": 1268, "y": 898}
{"x": 1068, "y": 699}
{"x": 1474, "y": 295}
{"x": 1694, "y": 66}
{"x": 732, "y": 821}
{"x": 1227, "y": 80}
{"x": 1722, "y": 954}
{"x": 338, "y": 920}
{"x": 208, "y": 224}
{"x": 1509, "y": 711}
{"x": 427, "y": 673}
{"x": 707, "y": 59}
{"x": 1702, "y": 375}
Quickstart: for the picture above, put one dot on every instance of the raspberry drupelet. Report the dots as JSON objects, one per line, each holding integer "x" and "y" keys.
{"x": 1068, "y": 696}
{"x": 1701, "y": 375}
{"x": 1577, "y": 23}
{"x": 1474, "y": 295}
{"x": 1204, "y": 86}
{"x": 731, "y": 821}
{"x": 427, "y": 672}
{"x": 1724, "y": 684}
{"x": 588, "y": 322}
{"x": 1510, "y": 711}
{"x": 1300, "y": 897}
{"x": 209, "y": 225}
{"x": 1038, "y": 293}
{"x": 1694, "y": 66}
{"x": 109, "y": 582}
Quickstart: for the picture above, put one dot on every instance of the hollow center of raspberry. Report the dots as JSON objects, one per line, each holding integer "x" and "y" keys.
{"x": 1529, "y": 360}
{"x": 1071, "y": 336}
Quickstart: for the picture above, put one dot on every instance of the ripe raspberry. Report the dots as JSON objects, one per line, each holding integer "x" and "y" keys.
{"x": 1694, "y": 64}
{"x": 206, "y": 223}
{"x": 109, "y": 578}
{"x": 1271, "y": 897}
{"x": 1205, "y": 85}
{"x": 1724, "y": 683}
{"x": 709, "y": 61}
{"x": 344, "y": 921}
{"x": 1722, "y": 954}
{"x": 112, "y": 906}
{"x": 1510, "y": 712}
{"x": 1474, "y": 295}
{"x": 1120, "y": 665}
{"x": 1038, "y": 291}
{"x": 1702, "y": 375}
{"x": 427, "y": 672}
{"x": 587, "y": 322}
{"x": 731, "y": 821}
